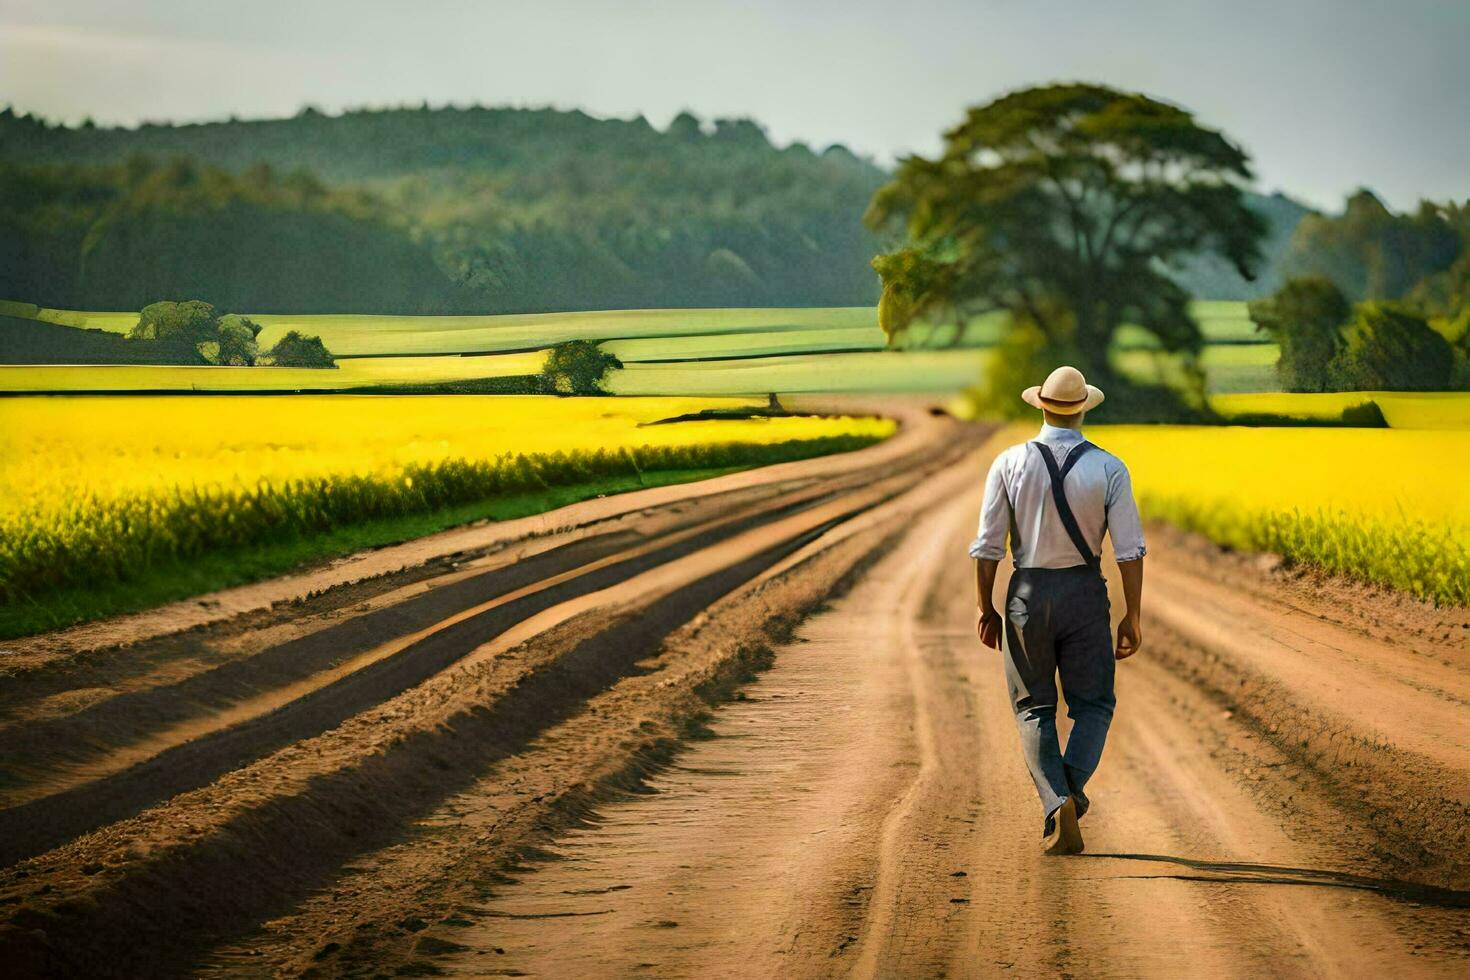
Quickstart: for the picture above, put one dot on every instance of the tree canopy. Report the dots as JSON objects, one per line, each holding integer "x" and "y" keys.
{"x": 299, "y": 350}
{"x": 1421, "y": 258}
{"x": 236, "y": 344}
{"x": 1065, "y": 205}
{"x": 577, "y": 367}
{"x": 184, "y": 323}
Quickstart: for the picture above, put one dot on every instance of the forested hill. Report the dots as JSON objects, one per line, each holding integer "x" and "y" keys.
{"x": 448, "y": 210}
{"x": 1212, "y": 277}
{"x": 513, "y": 209}
{"x": 370, "y": 144}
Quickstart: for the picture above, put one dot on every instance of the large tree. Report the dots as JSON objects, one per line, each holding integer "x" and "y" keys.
{"x": 1064, "y": 206}
{"x": 577, "y": 367}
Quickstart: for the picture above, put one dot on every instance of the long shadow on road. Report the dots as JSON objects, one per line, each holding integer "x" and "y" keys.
{"x": 1239, "y": 873}
{"x": 272, "y": 856}
{"x": 35, "y": 827}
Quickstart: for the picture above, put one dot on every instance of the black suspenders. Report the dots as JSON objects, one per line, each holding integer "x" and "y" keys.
{"x": 1064, "y": 509}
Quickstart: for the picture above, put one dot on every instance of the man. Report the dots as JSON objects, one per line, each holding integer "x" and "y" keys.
{"x": 1056, "y": 496}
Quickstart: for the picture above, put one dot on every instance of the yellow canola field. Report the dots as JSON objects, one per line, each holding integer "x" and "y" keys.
{"x": 1401, "y": 409}
{"x": 351, "y": 372}
{"x": 100, "y": 490}
{"x": 110, "y": 447}
{"x": 1388, "y": 506}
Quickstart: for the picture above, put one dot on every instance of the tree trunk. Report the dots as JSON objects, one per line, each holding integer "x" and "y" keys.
{"x": 1094, "y": 336}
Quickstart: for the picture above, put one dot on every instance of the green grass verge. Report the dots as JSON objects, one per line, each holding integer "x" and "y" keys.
{"x": 180, "y": 579}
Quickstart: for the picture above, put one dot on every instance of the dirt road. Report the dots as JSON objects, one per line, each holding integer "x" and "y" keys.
{"x": 743, "y": 729}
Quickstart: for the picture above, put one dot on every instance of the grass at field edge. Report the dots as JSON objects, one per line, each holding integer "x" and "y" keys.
{"x": 221, "y": 570}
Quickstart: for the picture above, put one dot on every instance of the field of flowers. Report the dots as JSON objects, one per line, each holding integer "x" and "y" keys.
{"x": 1387, "y": 506}
{"x": 1401, "y": 409}
{"x": 354, "y": 372}
{"x": 98, "y": 490}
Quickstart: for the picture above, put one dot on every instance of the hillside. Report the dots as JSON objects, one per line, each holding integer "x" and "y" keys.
{"x": 521, "y": 210}
{"x": 474, "y": 210}
{"x": 1214, "y": 278}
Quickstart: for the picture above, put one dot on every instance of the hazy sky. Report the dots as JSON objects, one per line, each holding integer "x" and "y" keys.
{"x": 1327, "y": 95}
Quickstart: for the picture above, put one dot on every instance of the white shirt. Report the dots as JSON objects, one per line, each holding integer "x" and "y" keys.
{"x": 1018, "y": 502}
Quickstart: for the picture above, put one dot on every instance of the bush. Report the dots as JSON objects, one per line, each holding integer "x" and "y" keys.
{"x": 1389, "y": 348}
{"x": 300, "y": 350}
{"x": 1364, "y": 416}
{"x": 1327, "y": 345}
{"x": 577, "y": 367}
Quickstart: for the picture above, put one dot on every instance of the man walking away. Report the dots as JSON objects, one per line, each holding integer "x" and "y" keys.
{"x": 1056, "y": 496}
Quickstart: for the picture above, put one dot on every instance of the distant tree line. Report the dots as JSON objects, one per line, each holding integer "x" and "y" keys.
{"x": 1370, "y": 252}
{"x": 1375, "y": 300}
{"x": 448, "y": 211}
{"x": 454, "y": 210}
{"x": 119, "y": 237}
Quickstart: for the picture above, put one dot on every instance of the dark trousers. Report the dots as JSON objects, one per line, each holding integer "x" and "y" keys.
{"x": 1057, "y": 625}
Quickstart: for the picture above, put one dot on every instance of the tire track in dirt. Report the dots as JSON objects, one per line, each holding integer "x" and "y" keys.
{"x": 291, "y": 829}
{"x": 161, "y": 694}
{"x": 751, "y": 854}
{"x": 190, "y": 758}
{"x": 441, "y": 874}
{"x": 64, "y": 749}
{"x": 1377, "y": 722}
{"x": 468, "y": 834}
{"x": 897, "y": 930}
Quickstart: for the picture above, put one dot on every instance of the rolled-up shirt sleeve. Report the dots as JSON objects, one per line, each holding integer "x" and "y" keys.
{"x": 995, "y": 516}
{"x": 1124, "y": 525}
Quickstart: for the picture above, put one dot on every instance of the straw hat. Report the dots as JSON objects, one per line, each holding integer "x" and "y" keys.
{"x": 1065, "y": 392}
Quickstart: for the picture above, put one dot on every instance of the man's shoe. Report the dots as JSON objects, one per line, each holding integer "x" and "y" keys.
{"x": 1067, "y": 836}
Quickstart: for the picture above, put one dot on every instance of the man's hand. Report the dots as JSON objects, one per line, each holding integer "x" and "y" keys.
{"x": 1130, "y": 634}
{"x": 1130, "y": 637}
{"x": 989, "y": 628}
